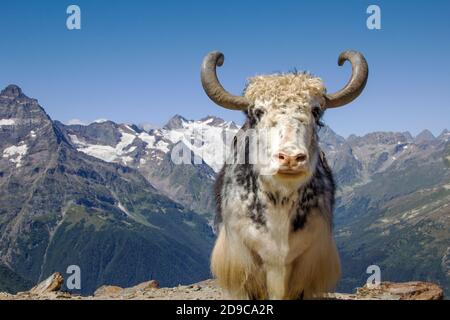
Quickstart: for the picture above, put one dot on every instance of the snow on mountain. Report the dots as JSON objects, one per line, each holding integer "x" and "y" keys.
{"x": 207, "y": 138}
{"x": 101, "y": 120}
{"x": 80, "y": 122}
{"x": 106, "y": 152}
{"x": 76, "y": 122}
{"x": 16, "y": 153}
{"x": 7, "y": 122}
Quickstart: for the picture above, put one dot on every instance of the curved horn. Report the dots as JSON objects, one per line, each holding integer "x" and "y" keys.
{"x": 214, "y": 89}
{"x": 356, "y": 84}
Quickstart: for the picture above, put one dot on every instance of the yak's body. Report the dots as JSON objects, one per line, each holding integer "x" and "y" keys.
{"x": 274, "y": 215}
{"x": 274, "y": 245}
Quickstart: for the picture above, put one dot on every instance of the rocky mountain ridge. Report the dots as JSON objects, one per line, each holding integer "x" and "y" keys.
{"x": 62, "y": 207}
{"x": 49, "y": 289}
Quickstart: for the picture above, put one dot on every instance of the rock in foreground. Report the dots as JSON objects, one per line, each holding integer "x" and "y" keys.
{"x": 49, "y": 289}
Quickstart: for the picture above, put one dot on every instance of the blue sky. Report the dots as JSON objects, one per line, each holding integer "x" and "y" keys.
{"x": 138, "y": 61}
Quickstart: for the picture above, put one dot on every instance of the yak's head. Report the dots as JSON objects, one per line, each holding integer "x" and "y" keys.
{"x": 284, "y": 111}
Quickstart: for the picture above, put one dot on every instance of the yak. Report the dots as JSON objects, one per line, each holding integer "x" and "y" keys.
{"x": 274, "y": 214}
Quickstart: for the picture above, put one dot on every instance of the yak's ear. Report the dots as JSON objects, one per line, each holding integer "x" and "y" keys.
{"x": 246, "y": 124}
{"x": 317, "y": 113}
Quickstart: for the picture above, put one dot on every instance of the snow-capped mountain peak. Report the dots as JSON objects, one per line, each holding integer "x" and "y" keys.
{"x": 125, "y": 144}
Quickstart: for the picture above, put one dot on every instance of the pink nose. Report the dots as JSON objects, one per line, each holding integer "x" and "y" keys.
{"x": 291, "y": 160}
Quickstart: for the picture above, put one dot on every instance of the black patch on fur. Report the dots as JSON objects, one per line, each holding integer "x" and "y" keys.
{"x": 299, "y": 219}
{"x": 248, "y": 179}
{"x": 272, "y": 198}
{"x": 254, "y": 116}
{"x": 256, "y": 207}
{"x": 321, "y": 186}
{"x": 218, "y": 186}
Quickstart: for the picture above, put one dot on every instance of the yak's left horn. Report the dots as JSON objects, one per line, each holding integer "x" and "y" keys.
{"x": 214, "y": 89}
{"x": 356, "y": 84}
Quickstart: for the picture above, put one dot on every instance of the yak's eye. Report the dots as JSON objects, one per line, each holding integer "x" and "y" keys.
{"x": 258, "y": 114}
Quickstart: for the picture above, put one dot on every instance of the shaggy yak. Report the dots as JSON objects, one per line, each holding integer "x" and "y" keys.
{"x": 274, "y": 217}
